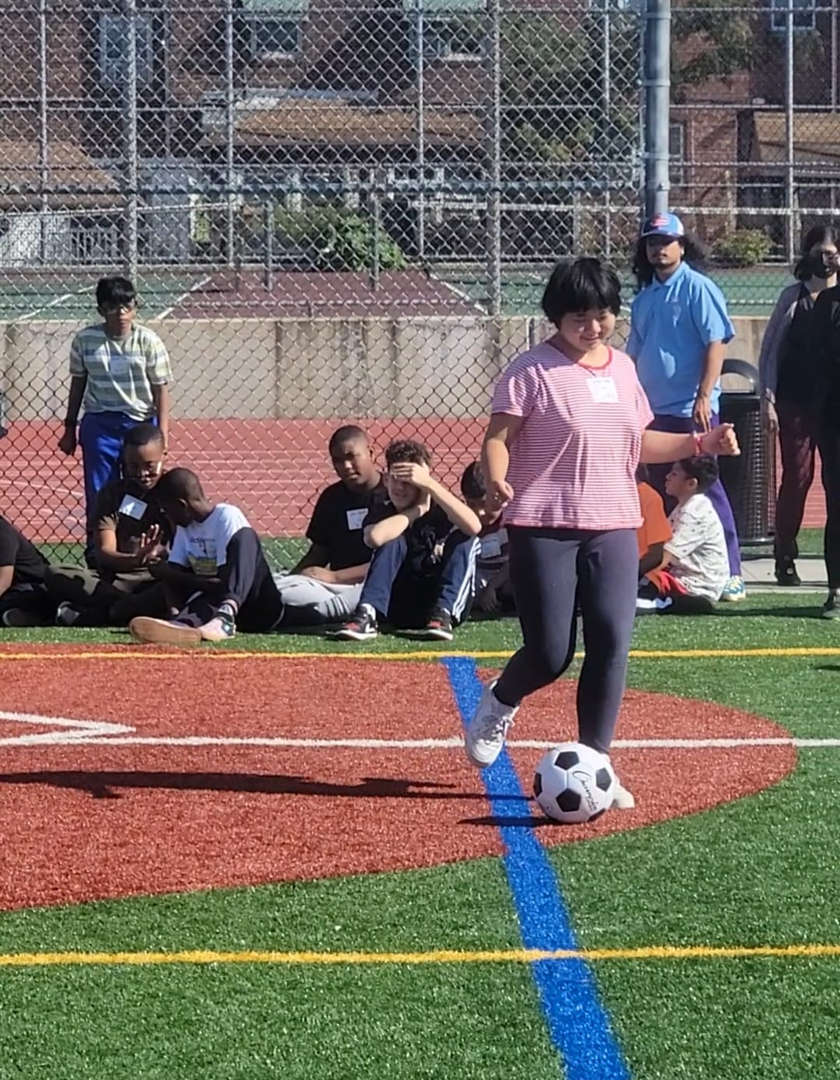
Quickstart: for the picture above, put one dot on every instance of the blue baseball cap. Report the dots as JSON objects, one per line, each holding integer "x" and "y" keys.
{"x": 663, "y": 225}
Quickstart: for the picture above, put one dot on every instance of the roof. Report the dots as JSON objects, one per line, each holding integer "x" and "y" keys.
{"x": 341, "y": 123}
{"x": 816, "y": 139}
{"x": 74, "y": 178}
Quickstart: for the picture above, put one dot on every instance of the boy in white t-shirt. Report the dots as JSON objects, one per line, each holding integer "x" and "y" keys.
{"x": 696, "y": 565}
{"x": 216, "y": 576}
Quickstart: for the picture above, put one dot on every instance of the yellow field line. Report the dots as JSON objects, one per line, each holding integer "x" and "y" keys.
{"x": 489, "y": 956}
{"x": 420, "y": 654}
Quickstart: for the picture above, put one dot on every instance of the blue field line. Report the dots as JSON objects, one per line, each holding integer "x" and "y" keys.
{"x": 577, "y": 1021}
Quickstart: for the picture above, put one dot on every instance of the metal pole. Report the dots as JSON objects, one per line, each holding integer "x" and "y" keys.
{"x": 269, "y": 244}
{"x": 606, "y": 65}
{"x": 421, "y": 132}
{"x": 657, "y": 83}
{"x": 131, "y": 141}
{"x": 230, "y": 241}
{"x": 377, "y": 219}
{"x": 790, "y": 238}
{"x": 494, "y": 149}
{"x": 43, "y": 138}
{"x": 833, "y": 57}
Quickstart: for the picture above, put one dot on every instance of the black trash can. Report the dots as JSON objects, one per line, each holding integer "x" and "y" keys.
{"x": 750, "y": 478}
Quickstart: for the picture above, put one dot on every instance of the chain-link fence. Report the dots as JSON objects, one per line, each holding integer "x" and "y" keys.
{"x": 345, "y": 211}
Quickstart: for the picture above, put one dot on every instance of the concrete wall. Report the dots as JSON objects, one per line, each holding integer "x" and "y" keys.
{"x": 307, "y": 368}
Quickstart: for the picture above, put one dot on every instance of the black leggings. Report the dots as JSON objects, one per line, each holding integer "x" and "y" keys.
{"x": 552, "y": 572}
{"x": 829, "y": 446}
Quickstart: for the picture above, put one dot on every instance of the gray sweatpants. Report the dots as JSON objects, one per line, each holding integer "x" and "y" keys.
{"x": 553, "y": 571}
{"x": 310, "y": 603}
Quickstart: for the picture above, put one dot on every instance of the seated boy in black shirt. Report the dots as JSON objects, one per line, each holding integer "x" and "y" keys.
{"x": 131, "y": 532}
{"x": 23, "y": 599}
{"x": 422, "y": 573}
{"x": 326, "y": 584}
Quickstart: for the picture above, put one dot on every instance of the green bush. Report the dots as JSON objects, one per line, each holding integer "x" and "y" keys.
{"x": 338, "y": 239}
{"x": 744, "y": 247}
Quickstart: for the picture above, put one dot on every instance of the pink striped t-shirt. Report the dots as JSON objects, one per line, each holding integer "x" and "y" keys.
{"x": 573, "y": 462}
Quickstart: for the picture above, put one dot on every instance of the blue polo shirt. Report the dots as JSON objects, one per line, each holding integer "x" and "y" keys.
{"x": 672, "y": 323}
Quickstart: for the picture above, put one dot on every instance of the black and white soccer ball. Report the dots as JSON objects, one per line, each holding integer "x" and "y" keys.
{"x": 574, "y": 783}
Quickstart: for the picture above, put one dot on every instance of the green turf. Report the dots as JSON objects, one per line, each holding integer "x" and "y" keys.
{"x": 761, "y": 870}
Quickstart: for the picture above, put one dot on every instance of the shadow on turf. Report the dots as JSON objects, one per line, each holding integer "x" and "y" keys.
{"x": 509, "y": 821}
{"x": 106, "y": 785}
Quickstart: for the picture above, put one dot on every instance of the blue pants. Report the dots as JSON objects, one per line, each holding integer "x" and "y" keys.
{"x": 406, "y": 599}
{"x": 717, "y": 492}
{"x": 101, "y": 437}
{"x": 552, "y": 572}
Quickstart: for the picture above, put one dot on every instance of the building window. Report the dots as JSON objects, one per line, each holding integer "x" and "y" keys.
{"x": 113, "y": 49}
{"x": 676, "y": 153}
{"x": 453, "y": 39}
{"x": 271, "y": 36}
{"x": 803, "y": 14}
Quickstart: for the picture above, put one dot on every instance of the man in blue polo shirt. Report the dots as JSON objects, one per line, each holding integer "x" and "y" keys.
{"x": 678, "y": 329}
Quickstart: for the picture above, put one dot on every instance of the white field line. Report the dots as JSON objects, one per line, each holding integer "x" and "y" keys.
{"x": 72, "y": 730}
{"x": 101, "y": 734}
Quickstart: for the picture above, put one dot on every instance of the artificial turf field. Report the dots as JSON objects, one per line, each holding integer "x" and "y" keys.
{"x": 701, "y": 945}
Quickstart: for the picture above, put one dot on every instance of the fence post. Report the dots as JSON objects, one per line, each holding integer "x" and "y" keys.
{"x": 494, "y": 151}
{"x": 131, "y": 141}
{"x": 790, "y": 231}
{"x": 657, "y": 85}
{"x": 230, "y": 214}
{"x": 420, "y": 35}
{"x": 43, "y": 143}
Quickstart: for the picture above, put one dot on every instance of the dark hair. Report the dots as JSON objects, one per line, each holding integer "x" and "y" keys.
{"x": 179, "y": 484}
{"x": 693, "y": 253}
{"x": 111, "y": 291}
{"x": 407, "y": 450}
{"x": 703, "y": 468}
{"x": 347, "y": 433}
{"x": 142, "y": 435}
{"x": 817, "y": 234}
{"x": 583, "y": 284}
{"x": 472, "y": 482}
{"x": 642, "y": 473}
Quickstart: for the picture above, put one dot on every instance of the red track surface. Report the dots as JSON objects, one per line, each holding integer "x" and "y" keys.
{"x": 272, "y": 469}
{"x": 92, "y": 821}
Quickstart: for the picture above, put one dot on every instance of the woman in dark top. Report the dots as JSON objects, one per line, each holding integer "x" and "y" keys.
{"x": 793, "y": 386}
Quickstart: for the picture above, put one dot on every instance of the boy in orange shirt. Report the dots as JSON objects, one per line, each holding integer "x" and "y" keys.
{"x": 655, "y": 531}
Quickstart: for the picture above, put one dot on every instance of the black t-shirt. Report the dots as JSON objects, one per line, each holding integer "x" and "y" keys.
{"x": 15, "y": 550}
{"x": 338, "y": 521}
{"x": 425, "y": 537}
{"x": 131, "y": 511}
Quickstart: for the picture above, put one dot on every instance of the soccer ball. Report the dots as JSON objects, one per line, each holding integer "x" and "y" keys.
{"x": 574, "y": 783}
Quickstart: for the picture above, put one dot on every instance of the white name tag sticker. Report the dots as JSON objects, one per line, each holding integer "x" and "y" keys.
{"x": 603, "y": 390}
{"x": 356, "y": 518}
{"x": 133, "y": 508}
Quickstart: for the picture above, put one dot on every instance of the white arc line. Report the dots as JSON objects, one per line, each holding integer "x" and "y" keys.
{"x": 100, "y": 734}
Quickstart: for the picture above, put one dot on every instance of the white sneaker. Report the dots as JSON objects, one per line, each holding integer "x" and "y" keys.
{"x": 485, "y": 734}
{"x": 622, "y": 798}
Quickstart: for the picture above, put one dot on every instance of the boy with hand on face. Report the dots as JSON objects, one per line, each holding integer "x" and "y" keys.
{"x": 422, "y": 574}
{"x": 216, "y": 576}
{"x": 326, "y": 584}
{"x": 131, "y": 533}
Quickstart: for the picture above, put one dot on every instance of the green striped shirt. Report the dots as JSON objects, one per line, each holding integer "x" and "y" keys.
{"x": 120, "y": 372}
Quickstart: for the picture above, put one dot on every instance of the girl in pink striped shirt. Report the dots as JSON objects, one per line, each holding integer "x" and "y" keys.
{"x": 567, "y": 430}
